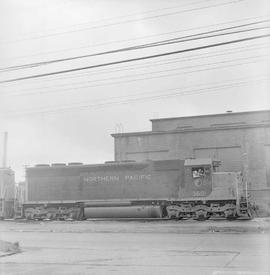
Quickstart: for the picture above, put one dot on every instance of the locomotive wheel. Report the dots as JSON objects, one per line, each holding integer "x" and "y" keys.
{"x": 28, "y": 216}
{"x": 201, "y": 215}
{"x": 28, "y": 213}
{"x": 250, "y": 214}
{"x": 201, "y": 218}
{"x": 49, "y": 216}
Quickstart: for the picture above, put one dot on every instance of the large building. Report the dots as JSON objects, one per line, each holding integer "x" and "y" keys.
{"x": 241, "y": 141}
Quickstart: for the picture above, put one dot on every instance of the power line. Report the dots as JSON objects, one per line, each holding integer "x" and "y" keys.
{"x": 105, "y": 100}
{"x": 123, "y": 22}
{"x": 118, "y": 17}
{"x": 165, "y": 62}
{"x": 139, "y": 79}
{"x": 133, "y": 39}
{"x": 122, "y": 100}
{"x": 128, "y": 96}
{"x": 148, "y": 73}
{"x": 138, "y": 58}
{"x": 147, "y": 45}
{"x": 152, "y": 64}
{"x": 144, "y": 65}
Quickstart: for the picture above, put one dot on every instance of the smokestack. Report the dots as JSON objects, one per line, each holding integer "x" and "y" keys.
{"x": 5, "y": 149}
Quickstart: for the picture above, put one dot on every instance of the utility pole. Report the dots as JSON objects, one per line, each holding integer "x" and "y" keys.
{"x": 5, "y": 149}
{"x": 3, "y": 178}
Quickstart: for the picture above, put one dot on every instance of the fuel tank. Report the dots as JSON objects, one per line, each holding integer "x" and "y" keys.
{"x": 123, "y": 212}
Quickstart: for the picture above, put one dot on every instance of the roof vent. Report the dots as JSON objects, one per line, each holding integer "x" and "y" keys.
{"x": 229, "y": 111}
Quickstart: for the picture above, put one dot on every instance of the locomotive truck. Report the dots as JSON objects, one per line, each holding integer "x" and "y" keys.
{"x": 169, "y": 189}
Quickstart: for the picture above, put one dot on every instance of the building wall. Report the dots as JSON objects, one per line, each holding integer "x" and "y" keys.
{"x": 242, "y": 143}
{"x": 238, "y": 149}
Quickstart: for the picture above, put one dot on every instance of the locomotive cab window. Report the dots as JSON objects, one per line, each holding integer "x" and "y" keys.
{"x": 198, "y": 172}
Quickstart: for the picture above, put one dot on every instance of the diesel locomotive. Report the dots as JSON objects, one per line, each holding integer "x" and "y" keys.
{"x": 168, "y": 189}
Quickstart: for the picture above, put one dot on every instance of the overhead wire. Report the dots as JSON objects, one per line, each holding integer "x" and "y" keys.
{"x": 164, "y": 62}
{"x": 137, "y": 58}
{"x": 138, "y": 79}
{"x": 152, "y": 63}
{"x": 115, "y": 17}
{"x": 147, "y": 73}
{"x": 182, "y": 39}
{"x": 134, "y": 39}
{"x": 130, "y": 67}
{"x": 123, "y": 22}
{"x": 266, "y": 77}
{"x": 146, "y": 97}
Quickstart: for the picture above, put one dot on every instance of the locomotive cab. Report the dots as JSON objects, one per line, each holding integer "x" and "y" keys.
{"x": 206, "y": 192}
{"x": 198, "y": 178}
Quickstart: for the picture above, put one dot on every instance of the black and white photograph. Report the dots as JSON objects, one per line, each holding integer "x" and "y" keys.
{"x": 135, "y": 137}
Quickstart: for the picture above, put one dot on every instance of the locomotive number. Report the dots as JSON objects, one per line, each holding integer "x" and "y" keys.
{"x": 199, "y": 193}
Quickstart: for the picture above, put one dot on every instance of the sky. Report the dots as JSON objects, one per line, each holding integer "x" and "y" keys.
{"x": 68, "y": 117}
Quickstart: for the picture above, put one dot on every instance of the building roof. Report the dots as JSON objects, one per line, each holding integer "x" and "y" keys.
{"x": 229, "y": 113}
{"x": 229, "y": 127}
{"x": 255, "y": 123}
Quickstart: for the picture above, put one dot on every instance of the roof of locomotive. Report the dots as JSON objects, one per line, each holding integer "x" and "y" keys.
{"x": 106, "y": 164}
{"x": 69, "y": 170}
{"x": 76, "y": 164}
